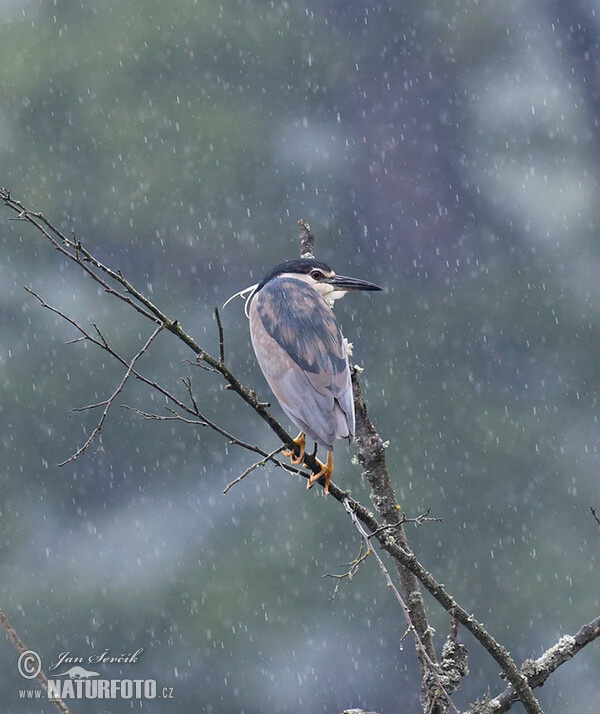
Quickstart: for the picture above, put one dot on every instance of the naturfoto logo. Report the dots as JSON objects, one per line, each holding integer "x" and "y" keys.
{"x": 79, "y": 681}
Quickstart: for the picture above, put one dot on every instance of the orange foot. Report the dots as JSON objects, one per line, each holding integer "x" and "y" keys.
{"x": 325, "y": 470}
{"x": 301, "y": 441}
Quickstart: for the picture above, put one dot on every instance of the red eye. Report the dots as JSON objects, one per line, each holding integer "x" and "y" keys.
{"x": 316, "y": 275}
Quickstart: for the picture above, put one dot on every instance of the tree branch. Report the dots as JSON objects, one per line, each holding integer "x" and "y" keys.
{"x": 537, "y": 671}
{"x": 371, "y": 454}
{"x": 268, "y": 457}
{"x": 307, "y": 240}
{"x": 76, "y": 252}
{"x": 353, "y": 567}
{"x": 221, "y": 336}
{"x": 107, "y": 403}
{"x": 25, "y": 652}
{"x": 442, "y": 696}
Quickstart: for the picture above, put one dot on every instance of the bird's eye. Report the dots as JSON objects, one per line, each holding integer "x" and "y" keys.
{"x": 316, "y": 275}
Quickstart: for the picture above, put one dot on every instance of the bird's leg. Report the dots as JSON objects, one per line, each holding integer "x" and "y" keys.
{"x": 301, "y": 441}
{"x": 325, "y": 470}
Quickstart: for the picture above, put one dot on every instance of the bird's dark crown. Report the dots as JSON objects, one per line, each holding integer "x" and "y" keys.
{"x": 298, "y": 265}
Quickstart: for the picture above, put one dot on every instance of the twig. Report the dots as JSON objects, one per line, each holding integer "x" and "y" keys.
{"x": 593, "y": 510}
{"x": 161, "y": 417}
{"x": 353, "y": 566}
{"x": 421, "y": 518}
{"x": 74, "y": 250}
{"x": 105, "y": 346}
{"x": 307, "y": 240}
{"x": 268, "y": 457}
{"x": 24, "y": 652}
{"x": 433, "y": 667}
{"x": 233, "y": 440}
{"x": 188, "y": 385}
{"x": 107, "y": 403}
{"x": 221, "y": 336}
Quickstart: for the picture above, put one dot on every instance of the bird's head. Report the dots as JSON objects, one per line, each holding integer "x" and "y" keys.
{"x": 319, "y": 276}
{"x": 313, "y": 272}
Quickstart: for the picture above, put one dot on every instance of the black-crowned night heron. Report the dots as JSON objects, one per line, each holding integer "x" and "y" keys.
{"x": 302, "y": 353}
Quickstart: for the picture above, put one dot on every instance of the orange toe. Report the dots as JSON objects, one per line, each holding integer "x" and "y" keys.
{"x": 325, "y": 470}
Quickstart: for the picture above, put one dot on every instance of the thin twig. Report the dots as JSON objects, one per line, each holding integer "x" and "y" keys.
{"x": 353, "y": 567}
{"x": 188, "y": 385}
{"x": 421, "y": 518}
{"x": 24, "y": 651}
{"x": 221, "y": 336}
{"x": 233, "y": 440}
{"x": 307, "y": 240}
{"x": 97, "y": 432}
{"x": 198, "y": 362}
{"x": 242, "y": 476}
{"x": 162, "y": 417}
{"x": 74, "y": 250}
{"x": 593, "y": 510}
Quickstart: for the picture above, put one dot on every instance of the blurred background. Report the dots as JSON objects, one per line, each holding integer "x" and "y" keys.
{"x": 449, "y": 152}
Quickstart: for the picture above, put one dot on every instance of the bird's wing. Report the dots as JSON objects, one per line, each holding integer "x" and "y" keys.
{"x": 314, "y": 363}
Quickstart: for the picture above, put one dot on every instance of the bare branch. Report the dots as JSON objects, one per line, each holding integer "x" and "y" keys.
{"x": 307, "y": 240}
{"x": 250, "y": 469}
{"x": 194, "y": 411}
{"x": 233, "y": 440}
{"x": 408, "y": 559}
{"x": 76, "y": 252}
{"x": 73, "y": 250}
{"x": 162, "y": 417}
{"x": 371, "y": 454}
{"x": 97, "y": 432}
{"x": 188, "y": 385}
{"x": 421, "y": 518}
{"x": 353, "y": 566}
{"x": 24, "y": 651}
{"x": 537, "y": 671}
{"x": 221, "y": 336}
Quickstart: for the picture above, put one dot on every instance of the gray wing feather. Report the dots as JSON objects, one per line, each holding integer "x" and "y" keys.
{"x": 300, "y": 349}
{"x": 312, "y": 412}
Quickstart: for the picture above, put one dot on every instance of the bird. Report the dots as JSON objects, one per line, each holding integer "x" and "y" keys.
{"x": 302, "y": 353}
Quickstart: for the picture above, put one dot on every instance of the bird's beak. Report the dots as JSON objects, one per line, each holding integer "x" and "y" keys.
{"x": 341, "y": 282}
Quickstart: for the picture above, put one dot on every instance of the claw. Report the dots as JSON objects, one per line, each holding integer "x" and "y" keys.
{"x": 300, "y": 440}
{"x": 325, "y": 470}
